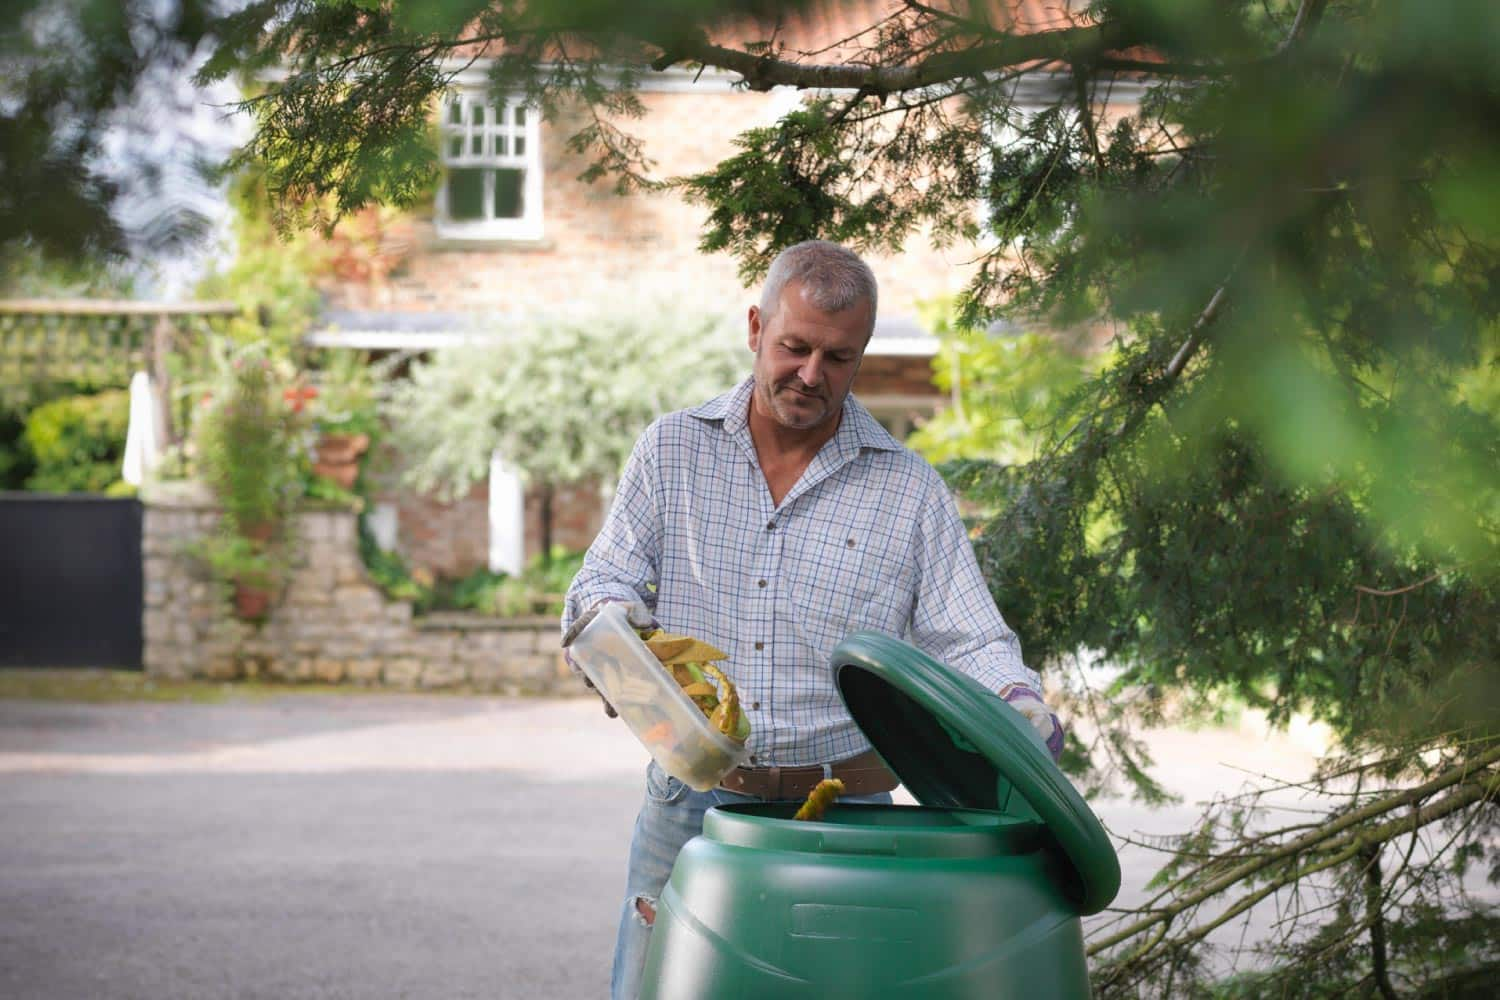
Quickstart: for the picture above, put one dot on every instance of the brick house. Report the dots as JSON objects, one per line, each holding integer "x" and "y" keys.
{"x": 510, "y": 229}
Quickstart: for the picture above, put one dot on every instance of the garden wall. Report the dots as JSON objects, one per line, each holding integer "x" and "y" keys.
{"x": 330, "y": 624}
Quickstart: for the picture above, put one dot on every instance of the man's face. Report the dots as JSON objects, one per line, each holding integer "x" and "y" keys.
{"x": 805, "y": 359}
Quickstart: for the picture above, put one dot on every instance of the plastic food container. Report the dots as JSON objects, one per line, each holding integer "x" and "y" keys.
{"x": 665, "y": 720}
{"x": 978, "y": 892}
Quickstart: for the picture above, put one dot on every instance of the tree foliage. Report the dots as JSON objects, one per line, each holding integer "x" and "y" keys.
{"x": 79, "y": 81}
{"x": 1006, "y": 392}
{"x": 561, "y": 398}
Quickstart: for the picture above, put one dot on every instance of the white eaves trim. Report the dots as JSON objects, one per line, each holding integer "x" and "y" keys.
{"x": 902, "y": 347}
{"x": 397, "y": 340}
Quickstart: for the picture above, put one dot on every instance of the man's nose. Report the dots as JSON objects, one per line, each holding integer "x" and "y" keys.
{"x": 811, "y": 372}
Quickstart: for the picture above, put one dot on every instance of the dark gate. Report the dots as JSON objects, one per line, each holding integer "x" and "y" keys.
{"x": 70, "y": 581}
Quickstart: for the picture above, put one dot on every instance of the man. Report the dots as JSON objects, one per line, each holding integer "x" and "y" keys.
{"x": 771, "y": 522}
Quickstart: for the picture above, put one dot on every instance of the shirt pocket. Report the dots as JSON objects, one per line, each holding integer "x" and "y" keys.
{"x": 850, "y": 577}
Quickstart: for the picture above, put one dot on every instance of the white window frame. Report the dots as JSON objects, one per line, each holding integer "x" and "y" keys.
{"x": 495, "y": 133}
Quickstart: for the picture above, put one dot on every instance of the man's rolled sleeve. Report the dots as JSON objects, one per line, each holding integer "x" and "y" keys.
{"x": 955, "y": 619}
{"x": 623, "y": 562}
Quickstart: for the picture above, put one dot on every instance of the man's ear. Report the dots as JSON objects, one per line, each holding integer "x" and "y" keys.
{"x": 753, "y": 320}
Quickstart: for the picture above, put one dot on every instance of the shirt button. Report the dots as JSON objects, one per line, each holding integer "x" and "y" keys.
{"x": 760, "y": 645}
{"x": 770, "y": 525}
{"x": 755, "y": 705}
{"x": 752, "y": 758}
{"x": 760, "y": 583}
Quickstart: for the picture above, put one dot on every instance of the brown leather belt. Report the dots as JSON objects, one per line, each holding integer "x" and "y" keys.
{"x": 862, "y": 775}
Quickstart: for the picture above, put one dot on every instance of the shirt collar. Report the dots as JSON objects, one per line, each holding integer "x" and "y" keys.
{"x": 857, "y": 429}
{"x": 732, "y": 407}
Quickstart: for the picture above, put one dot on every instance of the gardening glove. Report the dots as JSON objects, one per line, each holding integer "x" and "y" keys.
{"x": 1030, "y": 704}
{"x": 636, "y": 614}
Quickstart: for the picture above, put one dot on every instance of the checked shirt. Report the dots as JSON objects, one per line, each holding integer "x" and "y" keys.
{"x": 868, "y": 538}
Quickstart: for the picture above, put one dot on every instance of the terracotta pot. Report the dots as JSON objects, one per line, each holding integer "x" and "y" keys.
{"x": 251, "y": 603}
{"x": 341, "y": 449}
{"x": 338, "y": 457}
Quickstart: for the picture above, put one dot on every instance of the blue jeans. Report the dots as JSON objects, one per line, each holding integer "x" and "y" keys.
{"x": 671, "y": 815}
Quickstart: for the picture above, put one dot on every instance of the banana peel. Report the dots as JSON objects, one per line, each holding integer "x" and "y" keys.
{"x": 689, "y": 661}
{"x": 727, "y": 716}
{"x": 819, "y": 799}
{"x": 673, "y": 649}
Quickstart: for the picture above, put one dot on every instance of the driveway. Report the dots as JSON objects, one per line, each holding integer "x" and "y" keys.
{"x": 370, "y": 846}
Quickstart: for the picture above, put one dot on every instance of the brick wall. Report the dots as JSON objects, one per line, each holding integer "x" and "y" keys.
{"x": 445, "y": 539}
{"x": 886, "y": 375}
{"x": 577, "y": 515}
{"x": 451, "y": 539}
{"x": 601, "y": 246}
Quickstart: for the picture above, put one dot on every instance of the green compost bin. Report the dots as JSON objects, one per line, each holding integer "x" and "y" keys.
{"x": 977, "y": 892}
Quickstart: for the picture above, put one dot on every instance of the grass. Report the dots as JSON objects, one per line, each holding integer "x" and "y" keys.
{"x": 58, "y": 684}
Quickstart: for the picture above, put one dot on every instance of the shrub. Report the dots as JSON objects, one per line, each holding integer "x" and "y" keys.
{"x": 78, "y": 442}
{"x": 390, "y": 573}
{"x": 249, "y": 451}
{"x": 16, "y": 462}
{"x": 475, "y": 592}
{"x": 561, "y": 399}
{"x": 346, "y": 395}
{"x": 540, "y": 588}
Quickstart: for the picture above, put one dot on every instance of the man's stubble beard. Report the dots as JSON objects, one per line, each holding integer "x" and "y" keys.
{"x": 784, "y": 415}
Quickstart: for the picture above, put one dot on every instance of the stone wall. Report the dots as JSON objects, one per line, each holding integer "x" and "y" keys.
{"x": 330, "y": 624}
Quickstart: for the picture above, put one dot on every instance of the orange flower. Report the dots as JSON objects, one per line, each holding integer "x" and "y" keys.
{"x": 299, "y": 396}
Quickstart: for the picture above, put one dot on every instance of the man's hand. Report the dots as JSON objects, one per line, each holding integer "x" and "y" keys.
{"x": 636, "y": 613}
{"x": 1030, "y": 704}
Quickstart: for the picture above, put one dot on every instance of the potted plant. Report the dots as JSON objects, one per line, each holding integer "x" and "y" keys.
{"x": 345, "y": 416}
{"x": 249, "y": 454}
{"x": 247, "y": 566}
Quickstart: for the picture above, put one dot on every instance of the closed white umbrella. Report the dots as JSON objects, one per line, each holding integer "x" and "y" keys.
{"x": 143, "y": 438}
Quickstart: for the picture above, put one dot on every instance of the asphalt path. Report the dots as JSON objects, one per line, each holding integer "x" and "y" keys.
{"x": 371, "y": 846}
{"x": 365, "y": 846}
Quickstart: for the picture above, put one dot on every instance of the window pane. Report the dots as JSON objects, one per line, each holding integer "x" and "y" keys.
{"x": 508, "y": 204}
{"x": 476, "y": 144}
{"x": 456, "y": 146}
{"x": 502, "y": 144}
{"x": 456, "y": 113}
{"x": 520, "y": 145}
{"x": 476, "y": 114}
{"x": 465, "y": 194}
{"x": 520, "y": 115}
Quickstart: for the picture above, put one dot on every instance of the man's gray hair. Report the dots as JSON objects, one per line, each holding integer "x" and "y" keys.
{"x": 834, "y": 278}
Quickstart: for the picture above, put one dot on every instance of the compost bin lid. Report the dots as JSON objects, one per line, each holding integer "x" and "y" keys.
{"x": 955, "y": 744}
